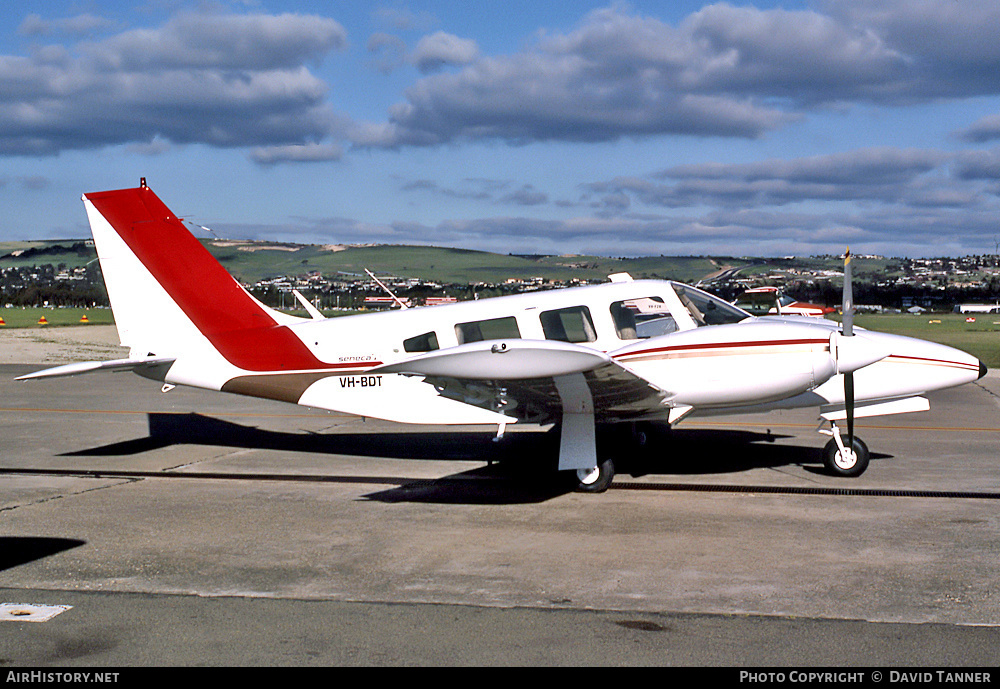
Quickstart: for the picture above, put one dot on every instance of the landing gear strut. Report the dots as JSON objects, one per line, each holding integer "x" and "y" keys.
{"x": 841, "y": 460}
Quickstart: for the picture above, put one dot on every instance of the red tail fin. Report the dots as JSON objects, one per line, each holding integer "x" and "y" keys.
{"x": 235, "y": 323}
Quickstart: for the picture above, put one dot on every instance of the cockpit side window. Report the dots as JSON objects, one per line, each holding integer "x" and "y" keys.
{"x": 638, "y": 319}
{"x": 624, "y": 319}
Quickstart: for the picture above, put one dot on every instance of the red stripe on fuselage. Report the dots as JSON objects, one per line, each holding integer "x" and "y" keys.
{"x": 719, "y": 345}
{"x": 243, "y": 332}
{"x": 932, "y": 362}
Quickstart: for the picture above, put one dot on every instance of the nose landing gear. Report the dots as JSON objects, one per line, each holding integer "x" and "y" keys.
{"x": 841, "y": 460}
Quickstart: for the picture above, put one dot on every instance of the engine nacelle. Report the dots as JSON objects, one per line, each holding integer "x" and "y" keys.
{"x": 742, "y": 363}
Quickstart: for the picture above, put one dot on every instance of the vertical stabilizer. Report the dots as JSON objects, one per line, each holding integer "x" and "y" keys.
{"x": 171, "y": 297}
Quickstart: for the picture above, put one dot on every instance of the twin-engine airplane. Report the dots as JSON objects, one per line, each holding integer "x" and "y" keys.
{"x": 586, "y": 358}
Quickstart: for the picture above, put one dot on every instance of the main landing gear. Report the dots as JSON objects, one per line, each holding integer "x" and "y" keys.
{"x": 841, "y": 460}
{"x": 595, "y": 480}
{"x": 627, "y": 441}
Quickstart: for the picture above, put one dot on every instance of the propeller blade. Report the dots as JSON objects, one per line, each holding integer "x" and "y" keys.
{"x": 848, "y": 330}
{"x": 848, "y": 305}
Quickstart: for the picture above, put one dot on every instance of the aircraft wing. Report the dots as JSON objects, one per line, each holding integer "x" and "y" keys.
{"x": 76, "y": 369}
{"x": 537, "y": 380}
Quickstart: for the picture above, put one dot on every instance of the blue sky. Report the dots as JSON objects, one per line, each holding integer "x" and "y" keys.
{"x": 767, "y": 128}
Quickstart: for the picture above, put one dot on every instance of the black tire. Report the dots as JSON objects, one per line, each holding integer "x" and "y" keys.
{"x": 839, "y": 466}
{"x": 597, "y": 481}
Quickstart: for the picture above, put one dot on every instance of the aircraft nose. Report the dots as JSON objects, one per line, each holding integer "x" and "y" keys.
{"x": 923, "y": 365}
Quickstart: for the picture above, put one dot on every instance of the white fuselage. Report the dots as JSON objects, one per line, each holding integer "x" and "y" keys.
{"x": 740, "y": 363}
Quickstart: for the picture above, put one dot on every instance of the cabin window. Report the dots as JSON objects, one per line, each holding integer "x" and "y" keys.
{"x": 638, "y": 319}
{"x": 573, "y": 324}
{"x": 427, "y": 342}
{"x": 492, "y": 329}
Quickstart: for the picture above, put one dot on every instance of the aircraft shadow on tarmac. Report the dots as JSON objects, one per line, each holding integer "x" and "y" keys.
{"x": 20, "y": 550}
{"x": 518, "y": 467}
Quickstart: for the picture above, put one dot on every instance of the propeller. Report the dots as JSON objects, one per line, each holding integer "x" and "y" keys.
{"x": 847, "y": 330}
{"x": 850, "y": 352}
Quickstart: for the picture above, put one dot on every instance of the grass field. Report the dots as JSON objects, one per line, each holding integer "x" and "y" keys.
{"x": 445, "y": 265}
{"x": 29, "y": 317}
{"x": 980, "y": 338}
{"x": 253, "y": 261}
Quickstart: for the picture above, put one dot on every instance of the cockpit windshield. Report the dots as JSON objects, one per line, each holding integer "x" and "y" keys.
{"x": 688, "y": 307}
{"x": 707, "y": 309}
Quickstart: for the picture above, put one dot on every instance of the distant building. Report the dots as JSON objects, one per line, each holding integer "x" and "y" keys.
{"x": 977, "y": 308}
{"x": 383, "y": 303}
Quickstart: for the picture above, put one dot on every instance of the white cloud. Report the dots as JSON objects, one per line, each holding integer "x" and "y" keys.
{"x": 982, "y": 130}
{"x": 307, "y": 153}
{"x": 723, "y": 71}
{"x": 214, "y": 41}
{"x": 883, "y": 174}
{"x": 80, "y": 25}
{"x": 222, "y": 79}
{"x": 442, "y": 49}
{"x": 389, "y": 51}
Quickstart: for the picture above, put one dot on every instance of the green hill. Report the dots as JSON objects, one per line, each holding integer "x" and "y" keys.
{"x": 251, "y": 262}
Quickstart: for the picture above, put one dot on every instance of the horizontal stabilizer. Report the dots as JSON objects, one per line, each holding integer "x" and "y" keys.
{"x": 90, "y": 366}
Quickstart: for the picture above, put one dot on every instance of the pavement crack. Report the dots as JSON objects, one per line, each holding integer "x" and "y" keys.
{"x": 204, "y": 460}
{"x": 60, "y": 496}
{"x": 995, "y": 396}
{"x": 789, "y": 474}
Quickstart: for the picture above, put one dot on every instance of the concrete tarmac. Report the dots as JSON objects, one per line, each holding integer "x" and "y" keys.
{"x": 192, "y": 528}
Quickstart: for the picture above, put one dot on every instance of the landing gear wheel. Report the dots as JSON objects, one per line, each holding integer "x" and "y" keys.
{"x": 595, "y": 480}
{"x": 847, "y": 462}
